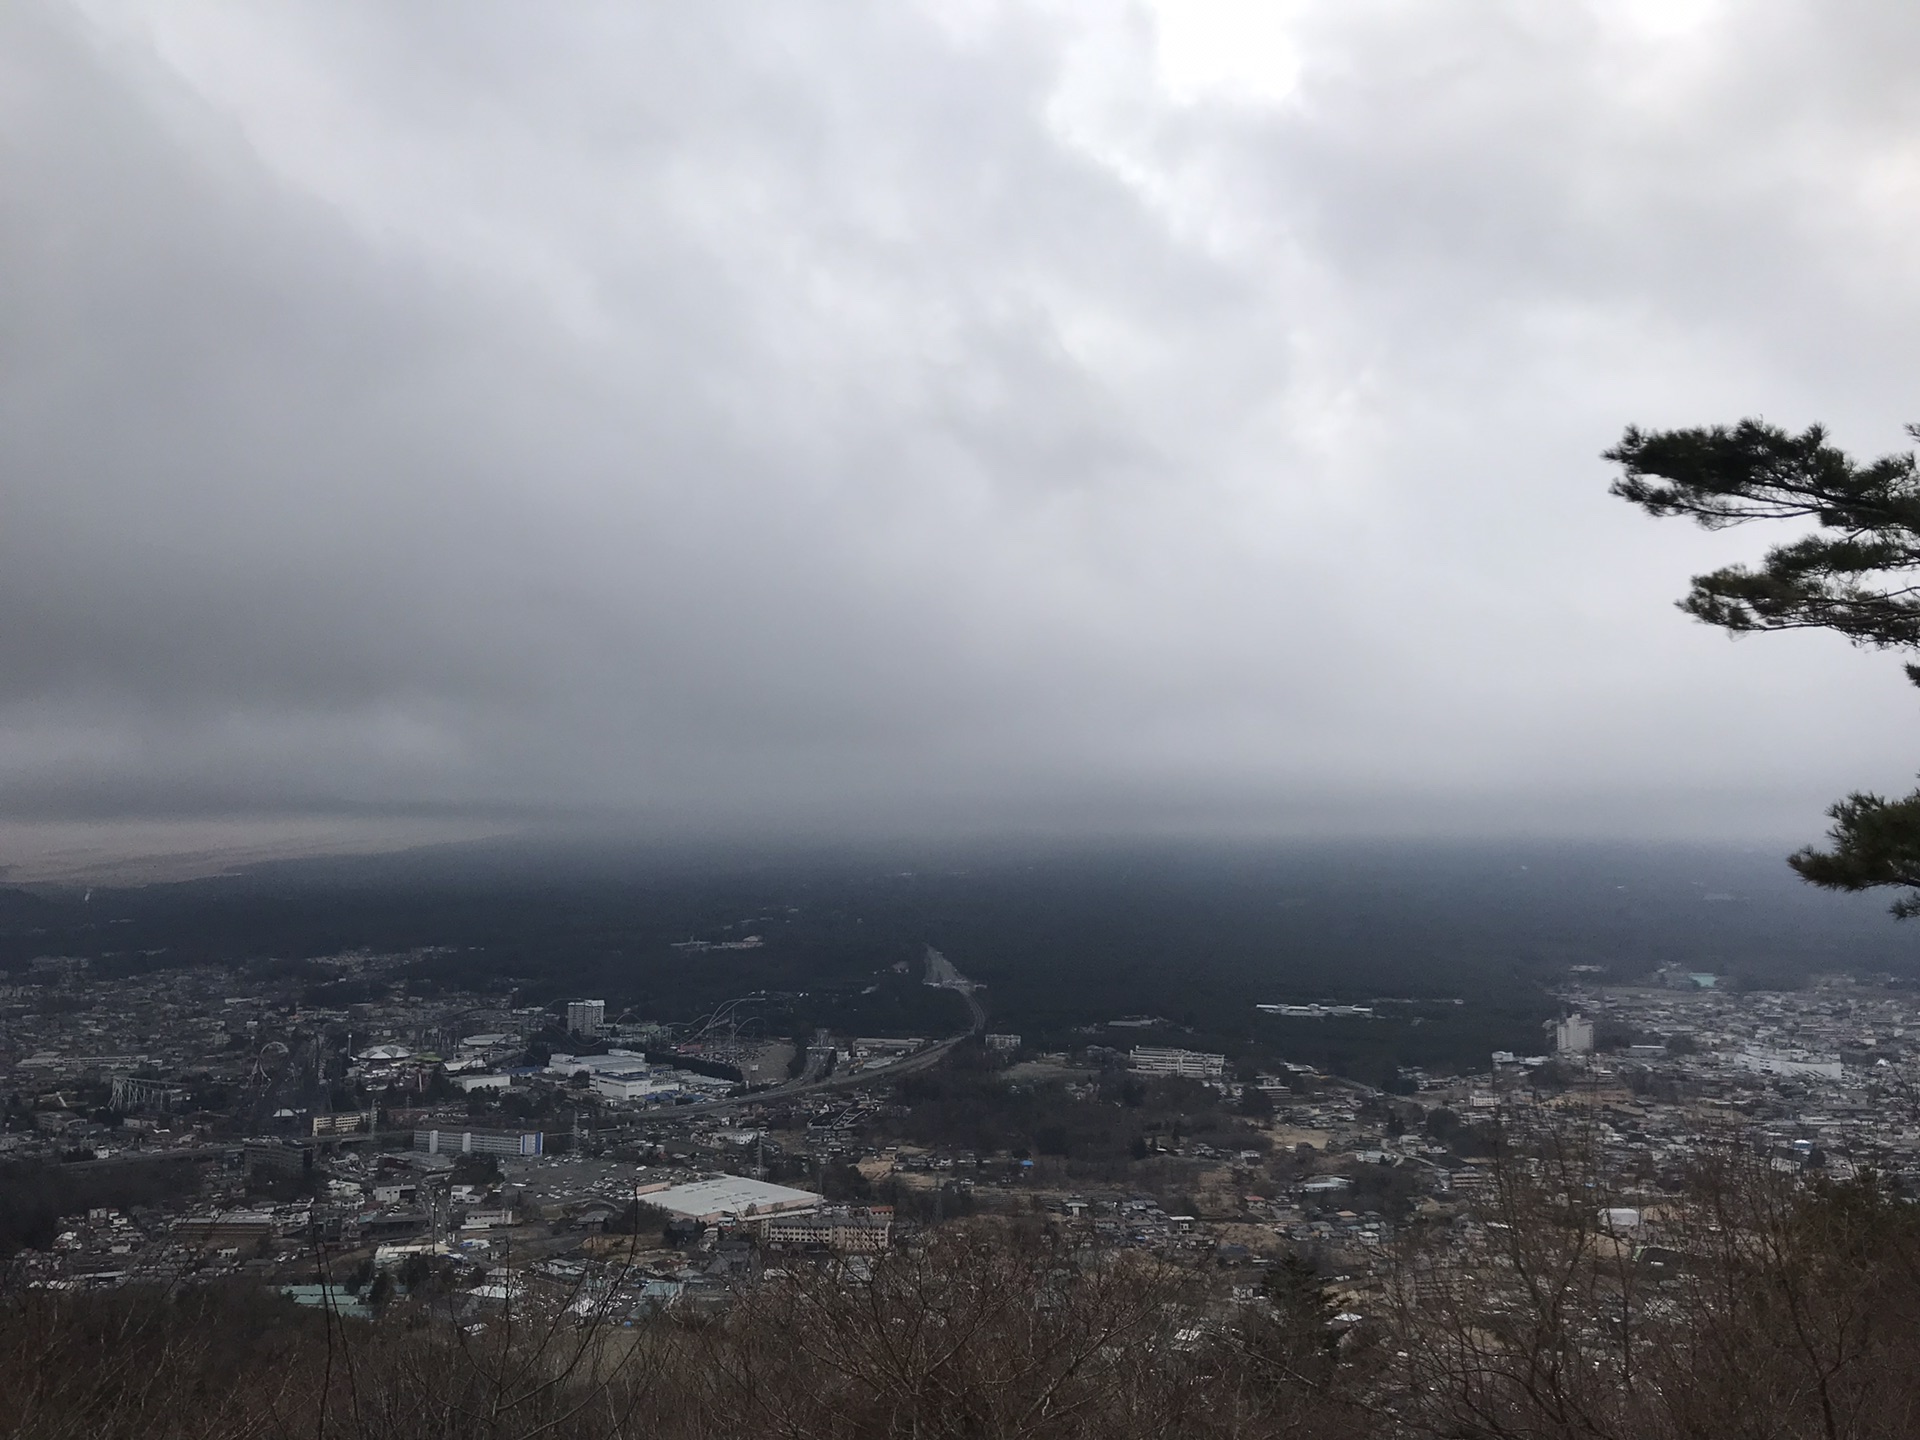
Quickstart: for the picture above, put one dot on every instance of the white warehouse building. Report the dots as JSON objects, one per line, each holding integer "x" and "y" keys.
{"x": 728, "y": 1197}
{"x": 633, "y": 1084}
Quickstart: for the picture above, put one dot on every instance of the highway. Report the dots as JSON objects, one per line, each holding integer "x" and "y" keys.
{"x": 942, "y": 976}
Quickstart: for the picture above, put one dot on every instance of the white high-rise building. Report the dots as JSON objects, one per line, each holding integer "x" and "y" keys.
{"x": 586, "y": 1017}
{"x": 1573, "y": 1035}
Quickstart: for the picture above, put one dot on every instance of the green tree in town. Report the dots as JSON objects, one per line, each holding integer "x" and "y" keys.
{"x": 1857, "y": 573}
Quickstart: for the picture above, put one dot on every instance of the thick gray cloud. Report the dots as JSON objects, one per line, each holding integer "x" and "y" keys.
{"x": 860, "y": 416}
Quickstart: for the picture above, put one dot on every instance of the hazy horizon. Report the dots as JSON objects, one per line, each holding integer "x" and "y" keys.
{"x": 121, "y": 853}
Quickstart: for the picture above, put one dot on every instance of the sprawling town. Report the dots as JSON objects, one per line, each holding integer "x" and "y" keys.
{"x": 489, "y": 1151}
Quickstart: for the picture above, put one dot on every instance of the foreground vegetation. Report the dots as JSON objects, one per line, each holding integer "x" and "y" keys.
{"x": 1768, "y": 1309}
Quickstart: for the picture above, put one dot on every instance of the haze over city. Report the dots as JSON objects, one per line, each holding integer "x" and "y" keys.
{"x": 962, "y": 718}
{"x": 952, "y": 419}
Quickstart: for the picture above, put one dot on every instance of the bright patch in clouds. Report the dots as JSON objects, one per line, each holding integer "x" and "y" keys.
{"x": 1239, "y": 50}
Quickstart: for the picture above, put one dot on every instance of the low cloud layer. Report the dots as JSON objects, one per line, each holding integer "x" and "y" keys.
{"x": 862, "y": 417}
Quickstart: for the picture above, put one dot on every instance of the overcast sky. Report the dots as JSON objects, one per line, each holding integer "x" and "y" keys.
{"x": 958, "y": 416}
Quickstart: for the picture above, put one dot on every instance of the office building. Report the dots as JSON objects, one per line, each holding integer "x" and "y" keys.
{"x": 1193, "y": 1064}
{"x": 479, "y": 1142}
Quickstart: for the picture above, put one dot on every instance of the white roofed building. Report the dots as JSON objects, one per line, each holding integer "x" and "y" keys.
{"x": 729, "y": 1197}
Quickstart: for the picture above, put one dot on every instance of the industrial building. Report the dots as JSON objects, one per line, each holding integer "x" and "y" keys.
{"x": 641, "y": 1083}
{"x": 627, "y": 1075}
{"x": 610, "y": 1063}
{"x": 485, "y": 1080}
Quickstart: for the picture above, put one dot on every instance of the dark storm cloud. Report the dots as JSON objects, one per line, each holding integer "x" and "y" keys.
{"x": 849, "y": 415}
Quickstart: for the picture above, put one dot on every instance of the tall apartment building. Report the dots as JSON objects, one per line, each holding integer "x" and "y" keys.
{"x": 586, "y": 1017}
{"x": 1573, "y": 1035}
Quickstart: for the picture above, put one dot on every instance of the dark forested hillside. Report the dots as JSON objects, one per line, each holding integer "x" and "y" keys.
{"x": 1194, "y": 936}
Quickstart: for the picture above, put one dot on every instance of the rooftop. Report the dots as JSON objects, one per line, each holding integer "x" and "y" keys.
{"x": 730, "y": 1195}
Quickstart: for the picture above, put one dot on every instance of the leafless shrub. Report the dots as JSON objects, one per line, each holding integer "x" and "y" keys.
{"x": 1751, "y": 1305}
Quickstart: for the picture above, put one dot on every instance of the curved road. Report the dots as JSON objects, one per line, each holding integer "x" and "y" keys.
{"x": 941, "y": 975}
